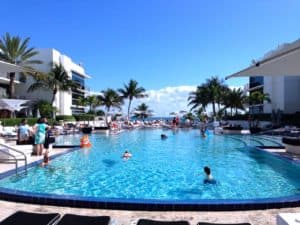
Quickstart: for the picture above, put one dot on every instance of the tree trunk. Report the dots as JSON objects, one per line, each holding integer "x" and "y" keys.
{"x": 231, "y": 111}
{"x": 52, "y": 101}
{"x": 11, "y": 88}
{"x": 129, "y": 104}
{"x": 214, "y": 108}
{"x": 107, "y": 111}
{"x": 53, "y": 96}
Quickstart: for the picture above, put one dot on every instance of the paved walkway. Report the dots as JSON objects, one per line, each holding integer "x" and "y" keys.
{"x": 255, "y": 217}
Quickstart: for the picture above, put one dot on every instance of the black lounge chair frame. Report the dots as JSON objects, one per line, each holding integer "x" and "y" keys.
{"x": 29, "y": 218}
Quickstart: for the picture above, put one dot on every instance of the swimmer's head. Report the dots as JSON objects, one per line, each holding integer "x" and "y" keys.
{"x": 207, "y": 170}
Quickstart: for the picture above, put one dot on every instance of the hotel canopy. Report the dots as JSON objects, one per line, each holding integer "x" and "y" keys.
{"x": 6, "y": 67}
{"x": 284, "y": 61}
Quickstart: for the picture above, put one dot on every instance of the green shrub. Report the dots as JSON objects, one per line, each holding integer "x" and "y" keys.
{"x": 67, "y": 118}
{"x": 100, "y": 113}
{"x": 84, "y": 117}
{"x": 46, "y": 109}
{"x": 17, "y": 121}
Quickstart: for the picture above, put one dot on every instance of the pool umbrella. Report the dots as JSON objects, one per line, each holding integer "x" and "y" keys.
{"x": 173, "y": 114}
{"x": 12, "y": 104}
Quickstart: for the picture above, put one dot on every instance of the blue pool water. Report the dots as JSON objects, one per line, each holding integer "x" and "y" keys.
{"x": 170, "y": 169}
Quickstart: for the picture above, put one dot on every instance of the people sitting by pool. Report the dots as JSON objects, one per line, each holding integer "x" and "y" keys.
{"x": 163, "y": 136}
{"x": 126, "y": 155}
{"x": 209, "y": 178}
{"x": 24, "y": 133}
{"x": 85, "y": 142}
{"x": 46, "y": 159}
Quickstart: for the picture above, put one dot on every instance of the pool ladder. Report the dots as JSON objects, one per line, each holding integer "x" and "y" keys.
{"x": 9, "y": 158}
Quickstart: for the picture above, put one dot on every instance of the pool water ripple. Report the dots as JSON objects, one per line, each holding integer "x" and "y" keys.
{"x": 170, "y": 169}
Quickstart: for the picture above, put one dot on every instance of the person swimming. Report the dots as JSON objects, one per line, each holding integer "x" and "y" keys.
{"x": 126, "y": 155}
{"x": 209, "y": 178}
{"x": 85, "y": 142}
{"x": 163, "y": 136}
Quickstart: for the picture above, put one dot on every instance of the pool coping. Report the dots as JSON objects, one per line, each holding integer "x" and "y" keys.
{"x": 145, "y": 204}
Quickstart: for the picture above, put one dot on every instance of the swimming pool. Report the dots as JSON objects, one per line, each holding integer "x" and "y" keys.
{"x": 164, "y": 170}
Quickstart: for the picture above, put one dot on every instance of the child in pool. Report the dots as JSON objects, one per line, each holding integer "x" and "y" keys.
{"x": 209, "y": 178}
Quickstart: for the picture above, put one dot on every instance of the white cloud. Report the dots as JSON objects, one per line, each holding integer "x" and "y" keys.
{"x": 165, "y": 100}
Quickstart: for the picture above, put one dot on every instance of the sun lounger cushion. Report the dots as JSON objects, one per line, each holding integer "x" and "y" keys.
{"x": 223, "y": 223}
{"x": 155, "y": 222}
{"x": 70, "y": 219}
{"x": 28, "y": 218}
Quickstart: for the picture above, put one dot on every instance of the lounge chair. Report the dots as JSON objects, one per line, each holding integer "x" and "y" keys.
{"x": 70, "y": 219}
{"x": 202, "y": 223}
{"x": 28, "y": 218}
{"x": 155, "y": 222}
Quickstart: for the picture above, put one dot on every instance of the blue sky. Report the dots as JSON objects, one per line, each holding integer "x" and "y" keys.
{"x": 160, "y": 43}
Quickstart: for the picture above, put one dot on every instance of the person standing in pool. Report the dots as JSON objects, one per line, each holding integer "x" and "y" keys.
{"x": 209, "y": 178}
{"x": 40, "y": 135}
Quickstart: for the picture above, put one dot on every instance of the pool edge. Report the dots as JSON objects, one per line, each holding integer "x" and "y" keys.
{"x": 144, "y": 204}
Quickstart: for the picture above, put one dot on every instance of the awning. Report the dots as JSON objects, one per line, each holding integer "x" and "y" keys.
{"x": 285, "y": 61}
{"x": 6, "y": 67}
{"x": 12, "y": 104}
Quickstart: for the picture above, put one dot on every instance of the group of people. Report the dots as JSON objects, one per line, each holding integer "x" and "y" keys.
{"x": 38, "y": 136}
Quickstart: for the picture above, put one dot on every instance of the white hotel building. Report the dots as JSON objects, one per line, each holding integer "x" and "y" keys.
{"x": 278, "y": 74}
{"x": 65, "y": 102}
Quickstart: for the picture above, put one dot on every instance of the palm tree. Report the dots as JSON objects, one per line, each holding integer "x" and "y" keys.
{"x": 258, "y": 97}
{"x": 215, "y": 87}
{"x": 81, "y": 101}
{"x": 189, "y": 116}
{"x": 92, "y": 101}
{"x": 142, "y": 111}
{"x": 56, "y": 80}
{"x": 199, "y": 98}
{"x": 16, "y": 51}
{"x": 109, "y": 99}
{"x": 131, "y": 91}
{"x": 234, "y": 99}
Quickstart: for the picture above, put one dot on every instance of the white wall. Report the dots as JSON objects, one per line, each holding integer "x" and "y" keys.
{"x": 63, "y": 100}
{"x": 292, "y": 94}
{"x": 274, "y": 86}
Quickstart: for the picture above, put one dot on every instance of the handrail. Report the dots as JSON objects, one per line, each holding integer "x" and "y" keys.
{"x": 13, "y": 156}
{"x": 16, "y": 150}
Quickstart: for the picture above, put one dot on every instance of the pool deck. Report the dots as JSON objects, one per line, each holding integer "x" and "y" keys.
{"x": 120, "y": 217}
{"x": 283, "y": 153}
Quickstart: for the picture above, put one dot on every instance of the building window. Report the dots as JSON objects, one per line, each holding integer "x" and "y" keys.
{"x": 77, "y": 92}
{"x": 79, "y": 80}
{"x": 256, "y": 81}
{"x": 3, "y": 91}
{"x": 256, "y": 109}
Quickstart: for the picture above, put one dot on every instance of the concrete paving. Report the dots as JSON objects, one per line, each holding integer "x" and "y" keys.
{"x": 120, "y": 217}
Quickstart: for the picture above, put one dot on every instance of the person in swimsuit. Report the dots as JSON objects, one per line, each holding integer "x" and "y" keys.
{"x": 40, "y": 135}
